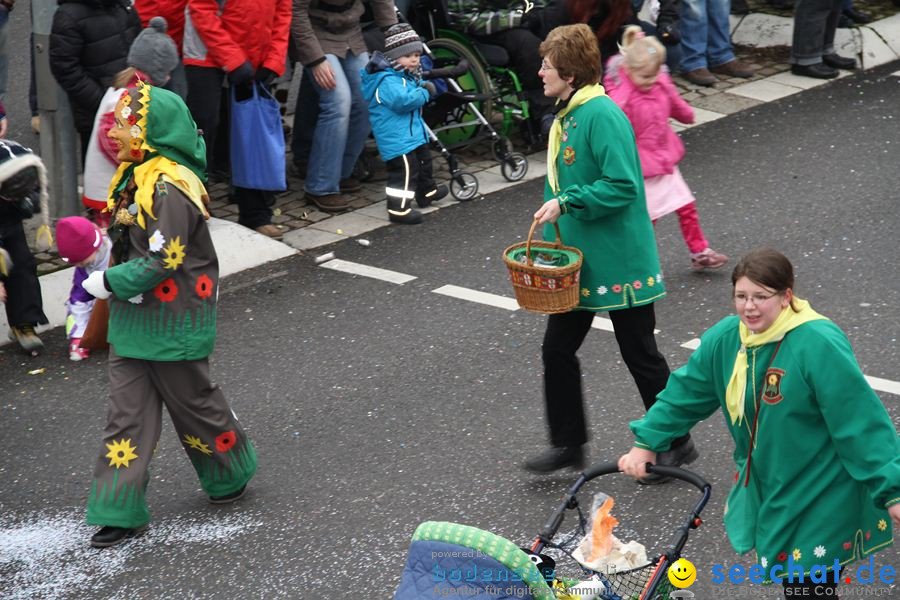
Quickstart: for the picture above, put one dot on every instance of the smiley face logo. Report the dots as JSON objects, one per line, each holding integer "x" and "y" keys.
{"x": 682, "y": 573}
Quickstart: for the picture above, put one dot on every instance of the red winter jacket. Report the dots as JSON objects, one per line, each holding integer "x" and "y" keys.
{"x": 171, "y": 10}
{"x": 227, "y": 33}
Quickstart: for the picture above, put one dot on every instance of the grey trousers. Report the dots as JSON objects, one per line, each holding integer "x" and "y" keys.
{"x": 815, "y": 22}
{"x": 208, "y": 430}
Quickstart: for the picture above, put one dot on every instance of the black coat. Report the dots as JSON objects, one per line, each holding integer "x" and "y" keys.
{"x": 89, "y": 43}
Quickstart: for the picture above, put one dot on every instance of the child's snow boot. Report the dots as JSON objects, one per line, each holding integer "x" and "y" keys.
{"x": 400, "y": 210}
{"x": 433, "y": 195}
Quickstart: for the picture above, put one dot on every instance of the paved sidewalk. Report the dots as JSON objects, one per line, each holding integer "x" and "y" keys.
{"x": 762, "y": 39}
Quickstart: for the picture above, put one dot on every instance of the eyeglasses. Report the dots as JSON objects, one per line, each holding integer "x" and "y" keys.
{"x": 546, "y": 67}
{"x": 758, "y": 298}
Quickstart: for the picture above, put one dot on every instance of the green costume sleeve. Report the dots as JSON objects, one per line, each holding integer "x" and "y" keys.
{"x": 689, "y": 397}
{"x": 157, "y": 262}
{"x": 862, "y": 432}
{"x": 619, "y": 181}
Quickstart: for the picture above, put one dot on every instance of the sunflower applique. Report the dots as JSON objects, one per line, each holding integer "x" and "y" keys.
{"x": 196, "y": 444}
{"x": 174, "y": 253}
{"x": 585, "y": 292}
{"x": 120, "y": 453}
{"x": 797, "y": 554}
{"x": 882, "y": 525}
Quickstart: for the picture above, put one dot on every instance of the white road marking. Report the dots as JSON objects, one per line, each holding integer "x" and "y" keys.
{"x": 462, "y": 293}
{"x": 606, "y": 325}
{"x": 896, "y": 74}
{"x": 691, "y": 344}
{"x": 884, "y": 385}
{"x": 345, "y": 266}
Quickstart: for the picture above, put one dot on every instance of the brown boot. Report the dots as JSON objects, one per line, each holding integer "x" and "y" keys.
{"x": 329, "y": 202}
{"x": 733, "y": 68}
{"x": 350, "y": 185}
{"x": 271, "y": 230}
{"x": 701, "y": 76}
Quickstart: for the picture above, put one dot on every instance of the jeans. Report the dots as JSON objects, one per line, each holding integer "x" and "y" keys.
{"x": 815, "y": 22}
{"x": 342, "y": 128}
{"x": 705, "y": 35}
{"x": 562, "y": 372}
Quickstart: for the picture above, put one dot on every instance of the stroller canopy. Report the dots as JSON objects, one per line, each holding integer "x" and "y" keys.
{"x": 448, "y": 560}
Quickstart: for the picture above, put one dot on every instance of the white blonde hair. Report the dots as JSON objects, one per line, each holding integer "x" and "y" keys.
{"x": 639, "y": 50}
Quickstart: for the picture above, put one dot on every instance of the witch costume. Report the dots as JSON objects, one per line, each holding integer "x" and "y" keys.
{"x": 162, "y": 323}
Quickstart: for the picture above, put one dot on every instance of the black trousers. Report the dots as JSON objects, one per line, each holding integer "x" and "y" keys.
{"x": 407, "y": 175}
{"x": 807, "y": 589}
{"x": 562, "y": 371}
{"x": 204, "y": 101}
{"x": 24, "y": 305}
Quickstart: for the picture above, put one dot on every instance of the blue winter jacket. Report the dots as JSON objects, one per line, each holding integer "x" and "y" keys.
{"x": 395, "y": 107}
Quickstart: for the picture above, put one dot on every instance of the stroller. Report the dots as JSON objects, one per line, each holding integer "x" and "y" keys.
{"x": 450, "y": 560}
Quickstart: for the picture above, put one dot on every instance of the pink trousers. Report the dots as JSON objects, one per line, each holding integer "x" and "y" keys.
{"x": 690, "y": 228}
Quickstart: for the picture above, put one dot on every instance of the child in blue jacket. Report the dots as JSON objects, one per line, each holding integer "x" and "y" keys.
{"x": 393, "y": 87}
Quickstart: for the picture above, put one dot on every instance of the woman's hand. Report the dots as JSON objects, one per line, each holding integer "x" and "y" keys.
{"x": 324, "y": 75}
{"x": 894, "y": 511}
{"x": 635, "y": 462}
{"x": 549, "y": 212}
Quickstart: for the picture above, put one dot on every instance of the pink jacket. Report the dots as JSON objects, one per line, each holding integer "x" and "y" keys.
{"x": 659, "y": 147}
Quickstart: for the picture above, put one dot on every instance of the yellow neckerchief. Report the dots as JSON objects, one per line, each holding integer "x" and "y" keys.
{"x": 787, "y": 320}
{"x": 146, "y": 175}
{"x": 580, "y": 97}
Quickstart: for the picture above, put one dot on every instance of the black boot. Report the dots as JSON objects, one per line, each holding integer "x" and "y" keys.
{"x": 433, "y": 195}
{"x": 555, "y": 459}
{"x": 684, "y": 453}
{"x": 228, "y": 498}
{"x": 112, "y": 536}
{"x": 401, "y": 211}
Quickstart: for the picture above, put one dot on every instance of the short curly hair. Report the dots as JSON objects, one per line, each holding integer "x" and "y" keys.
{"x": 574, "y": 52}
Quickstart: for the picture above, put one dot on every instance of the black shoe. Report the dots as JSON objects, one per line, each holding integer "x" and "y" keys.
{"x": 845, "y": 22}
{"x": 676, "y": 456}
{"x": 435, "y": 194}
{"x": 857, "y": 16}
{"x": 555, "y": 459}
{"x": 228, "y": 498}
{"x": 836, "y": 61}
{"x": 112, "y": 536}
{"x": 818, "y": 71}
{"x": 401, "y": 212}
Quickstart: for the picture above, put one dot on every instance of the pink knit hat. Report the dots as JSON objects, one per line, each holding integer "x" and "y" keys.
{"x": 77, "y": 238}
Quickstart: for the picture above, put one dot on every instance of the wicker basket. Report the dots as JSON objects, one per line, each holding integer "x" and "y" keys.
{"x": 544, "y": 289}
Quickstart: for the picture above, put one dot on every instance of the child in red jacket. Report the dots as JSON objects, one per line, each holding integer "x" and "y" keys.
{"x": 639, "y": 83}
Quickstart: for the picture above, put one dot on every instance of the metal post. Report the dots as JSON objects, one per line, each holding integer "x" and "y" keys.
{"x": 58, "y": 135}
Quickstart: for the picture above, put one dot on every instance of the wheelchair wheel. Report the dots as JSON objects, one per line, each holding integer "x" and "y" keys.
{"x": 464, "y": 186}
{"x": 514, "y": 167}
{"x": 474, "y": 80}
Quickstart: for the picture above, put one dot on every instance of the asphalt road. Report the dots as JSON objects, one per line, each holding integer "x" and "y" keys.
{"x": 377, "y": 406}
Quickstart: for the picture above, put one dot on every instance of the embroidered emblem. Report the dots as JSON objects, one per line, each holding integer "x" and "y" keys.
{"x": 569, "y": 155}
{"x": 161, "y": 188}
{"x": 772, "y": 391}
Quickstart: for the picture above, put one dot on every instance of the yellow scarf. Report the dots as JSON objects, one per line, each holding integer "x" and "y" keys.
{"x": 146, "y": 175}
{"x": 787, "y": 320}
{"x": 580, "y": 97}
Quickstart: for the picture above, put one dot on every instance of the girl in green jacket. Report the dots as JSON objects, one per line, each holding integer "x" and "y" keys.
{"x": 817, "y": 478}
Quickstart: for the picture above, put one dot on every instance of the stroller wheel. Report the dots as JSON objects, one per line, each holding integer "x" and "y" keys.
{"x": 501, "y": 149}
{"x": 514, "y": 167}
{"x": 464, "y": 186}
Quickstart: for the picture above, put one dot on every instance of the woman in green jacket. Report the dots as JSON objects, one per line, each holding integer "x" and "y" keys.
{"x": 162, "y": 319}
{"x": 817, "y": 479}
{"x": 595, "y": 193}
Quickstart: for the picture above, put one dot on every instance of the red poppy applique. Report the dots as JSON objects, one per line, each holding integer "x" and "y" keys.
{"x": 617, "y": 288}
{"x": 782, "y": 556}
{"x": 204, "y": 286}
{"x": 868, "y": 535}
{"x": 225, "y": 441}
{"x": 166, "y": 291}
{"x": 847, "y": 545}
{"x": 637, "y": 284}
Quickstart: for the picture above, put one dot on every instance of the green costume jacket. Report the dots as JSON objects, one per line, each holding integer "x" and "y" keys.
{"x": 604, "y": 210}
{"x": 826, "y": 461}
{"x": 163, "y": 305}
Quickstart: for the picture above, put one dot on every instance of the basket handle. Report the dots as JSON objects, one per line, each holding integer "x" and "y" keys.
{"x": 534, "y": 224}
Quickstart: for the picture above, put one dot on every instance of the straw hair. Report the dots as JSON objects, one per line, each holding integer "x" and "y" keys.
{"x": 639, "y": 50}
{"x": 573, "y": 51}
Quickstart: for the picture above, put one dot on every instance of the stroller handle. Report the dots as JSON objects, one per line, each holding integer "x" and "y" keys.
{"x": 569, "y": 501}
{"x": 673, "y": 472}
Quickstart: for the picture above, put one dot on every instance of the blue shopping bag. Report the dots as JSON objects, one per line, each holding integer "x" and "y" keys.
{"x": 257, "y": 142}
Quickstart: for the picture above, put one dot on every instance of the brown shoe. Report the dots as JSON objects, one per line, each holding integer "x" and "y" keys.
{"x": 329, "y": 202}
{"x": 733, "y": 68}
{"x": 350, "y": 185}
{"x": 701, "y": 76}
{"x": 271, "y": 230}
